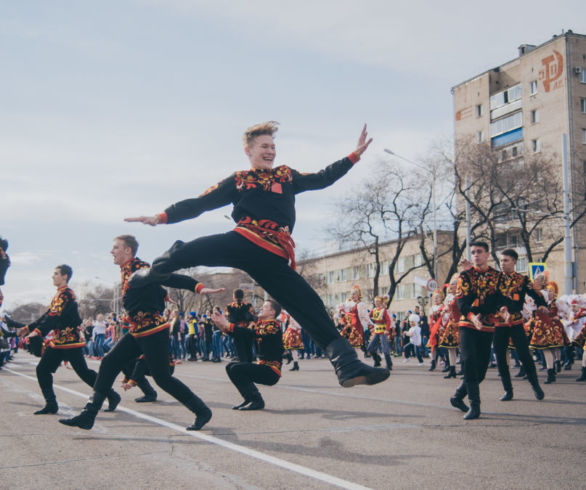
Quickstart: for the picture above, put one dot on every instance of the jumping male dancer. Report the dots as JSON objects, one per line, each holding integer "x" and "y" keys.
{"x": 261, "y": 244}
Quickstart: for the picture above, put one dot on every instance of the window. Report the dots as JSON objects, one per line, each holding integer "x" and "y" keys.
{"x": 536, "y": 145}
{"x": 503, "y": 155}
{"x": 506, "y": 124}
{"x": 534, "y": 116}
{"x": 479, "y": 110}
{"x": 514, "y": 151}
{"x": 505, "y": 97}
{"x": 521, "y": 265}
{"x": 533, "y": 87}
{"x": 330, "y": 278}
{"x": 538, "y": 235}
{"x": 583, "y": 76}
{"x": 582, "y": 105}
{"x": 480, "y": 136}
{"x": 355, "y": 273}
{"x": 584, "y": 136}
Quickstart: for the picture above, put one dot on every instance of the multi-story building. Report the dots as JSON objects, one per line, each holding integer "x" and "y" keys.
{"x": 525, "y": 106}
{"x": 333, "y": 275}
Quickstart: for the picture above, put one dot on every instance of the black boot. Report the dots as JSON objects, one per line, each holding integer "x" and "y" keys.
{"x": 389, "y": 362}
{"x": 202, "y": 413}
{"x": 532, "y": 377}
{"x": 558, "y": 366}
{"x": 289, "y": 357}
{"x": 474, "y": 398}
{"x": 457, "y": 400}
{"x": 507, "y": 385}
{"x": 295, "y": 366}
{"x": 521, "y": 372}
{"x": 85, "y": 420}
{"x": 451, "y": 373}
{"x": 150, "y": 395}
{"x": 113, "y": 401}
{"x": 432, "y": 367}
{"x": 550, "y": 377}
{"x": 349, "y": 369}
{"x": 50, "y": 407}
{"x": 256, "y": 401}
{"x": 377, "y": 359}
{"x": 238, "y": 407}
{"x": 583, "y": 375}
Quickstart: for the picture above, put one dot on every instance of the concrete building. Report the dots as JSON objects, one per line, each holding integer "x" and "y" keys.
{"x": 525, "y": 106}
{"x": 333, "y": 275}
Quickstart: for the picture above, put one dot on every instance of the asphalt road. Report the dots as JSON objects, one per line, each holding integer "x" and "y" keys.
{"x": 312, "y": 434}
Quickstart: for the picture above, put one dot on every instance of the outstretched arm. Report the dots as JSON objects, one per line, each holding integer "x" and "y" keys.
{"x": 329, "y": 175}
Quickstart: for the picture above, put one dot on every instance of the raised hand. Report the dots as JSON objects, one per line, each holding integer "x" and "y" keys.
{"x": 212, "y": 291}
{"x": 147, "y": 220}
{"x": 363, "y": 142}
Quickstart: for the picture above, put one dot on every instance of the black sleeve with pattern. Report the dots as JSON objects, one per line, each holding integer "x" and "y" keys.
{"x": 215, "y": 197}
{"x": 322, "y": 179}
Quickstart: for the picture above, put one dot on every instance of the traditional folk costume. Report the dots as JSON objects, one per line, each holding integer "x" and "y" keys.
{"x": 241, "y": 314}
{"x": 578, "y": 324}
{"x": 292, "y": 340}
{"x": 435, "y": 316}
{"x": 547, "y": 331}
{"x": 148, "y": 335}
{"x": 514, "y": 287}
{"x": 477, "y": 293}
{"x": 261, "y": 245}
{"x": 356, "y": 319}
{"x": 135, "y": 373}
{"x": 448, "y": 332}
{"x": 266, "y": 371}
{"x": 381, "y": 331}
{"x": 66, "y": 343}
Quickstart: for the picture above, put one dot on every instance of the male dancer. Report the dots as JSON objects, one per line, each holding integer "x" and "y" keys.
{"x": 66, "y": 344}
{"x": 148, "y": 335}
{"x": 478, "y": 301}
{"x": 513, "y": 287}
{"x": 241, "y": 314}
{"x": 261, "y": 244}
{"x": 4, "y": 264}
{"x": 270, "y": 352}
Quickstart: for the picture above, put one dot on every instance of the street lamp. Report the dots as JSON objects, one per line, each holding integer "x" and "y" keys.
{"x": 433, "y": 202}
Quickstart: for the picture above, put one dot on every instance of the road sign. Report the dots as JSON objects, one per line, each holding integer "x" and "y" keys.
{"x": 431, "y": 285}
{"x": 536, "y": 268}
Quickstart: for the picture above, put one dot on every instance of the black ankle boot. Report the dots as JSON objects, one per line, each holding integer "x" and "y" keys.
{"x": 558, "y": 366}
{"x": 349, "y": 369}
{"x": 432, "y": 367}
{"x": 257, "y": 403}
{"x": 474, "y": 397}
{"x": 389, "y": 362}
{"x": 583, "y": 375}
{"x": 521, "y": 372}
{"x": 289, "y": 357}
{"x": 238, "y": 407}
{"x": 377, "y": 359}
{"x": 149, "y": 397}
{"x": 50, "y": 407}
{"x": 113, "y": 401}
{"x": 508, "y": 395}
{"x": 451, "y": 373}
{"x": 295, "y": 366}
{"x": 550, "y": 377}
{"x": 202, "y": 412}
{"x": 85, "y": 420}
{"x": 457, "y": 401}
{"x": 532, "y": 377}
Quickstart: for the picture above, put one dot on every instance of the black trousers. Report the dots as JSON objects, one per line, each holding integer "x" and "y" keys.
{"x": 245, "y": 374}
{"x": 50, "y": 362}
{"x": 475, "y": 351}
{"x": 156, "y": 354}
{"x": 521, "y": 343}
{"x": 270, "y": 271}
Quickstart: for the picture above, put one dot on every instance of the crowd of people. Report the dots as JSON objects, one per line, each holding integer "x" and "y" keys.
{"x": 484, "y": 315}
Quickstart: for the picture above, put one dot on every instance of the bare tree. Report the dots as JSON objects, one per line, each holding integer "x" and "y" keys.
{"x": 388, "y": 205}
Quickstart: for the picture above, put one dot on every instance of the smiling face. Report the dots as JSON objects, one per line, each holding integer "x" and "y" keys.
{"x": 261, "y": 152}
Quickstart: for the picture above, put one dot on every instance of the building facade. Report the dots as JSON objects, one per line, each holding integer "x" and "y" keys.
{"x": 524, "y": 106}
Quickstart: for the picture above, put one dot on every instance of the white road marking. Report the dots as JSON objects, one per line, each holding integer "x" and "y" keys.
{"x": 302, "y": 470}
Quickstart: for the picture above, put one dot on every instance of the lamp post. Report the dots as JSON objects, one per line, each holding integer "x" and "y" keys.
{"x": 433, "y": 203}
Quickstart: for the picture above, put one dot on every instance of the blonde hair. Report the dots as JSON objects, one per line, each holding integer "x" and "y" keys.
{"x": 268, "y": 127}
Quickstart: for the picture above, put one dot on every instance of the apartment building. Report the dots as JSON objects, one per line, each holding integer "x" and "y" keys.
{"x": 524, "y": 106}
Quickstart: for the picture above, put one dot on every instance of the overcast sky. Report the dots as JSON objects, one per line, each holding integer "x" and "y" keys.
{"x": 118, "y": 108}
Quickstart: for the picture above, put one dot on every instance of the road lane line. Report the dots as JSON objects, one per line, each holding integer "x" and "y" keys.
{"x": 318, "y": 475}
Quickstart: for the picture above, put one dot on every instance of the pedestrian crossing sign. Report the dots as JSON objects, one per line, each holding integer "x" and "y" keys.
{"x": 536, "y": 268}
